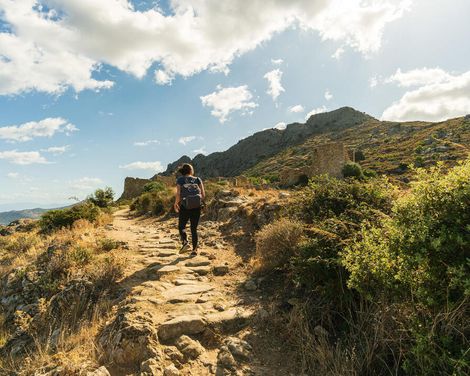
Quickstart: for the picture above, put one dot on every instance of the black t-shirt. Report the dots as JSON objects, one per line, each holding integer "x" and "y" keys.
{"x": 188, "y": 180}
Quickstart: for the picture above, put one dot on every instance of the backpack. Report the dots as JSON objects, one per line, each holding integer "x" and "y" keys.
{"x": 191, "y": 197}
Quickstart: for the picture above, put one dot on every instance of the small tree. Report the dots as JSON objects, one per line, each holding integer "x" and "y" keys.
{"x": 352, "y": 170}
{"x": 102, "y": 198}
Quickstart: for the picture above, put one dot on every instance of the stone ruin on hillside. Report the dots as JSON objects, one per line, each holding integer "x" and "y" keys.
{"x": 324, "y": 159}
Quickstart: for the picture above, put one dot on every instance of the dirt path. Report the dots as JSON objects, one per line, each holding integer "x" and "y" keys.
{"x": 183, "y": 315}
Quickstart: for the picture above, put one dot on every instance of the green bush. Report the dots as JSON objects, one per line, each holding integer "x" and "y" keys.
{"x": 56, "y": 219}
{"x": 423, "y": 250}
{"x": 419, "y": 258}
{"x": 153, "y": 203}
{"x": 154, "y": 186}
{"x": 102, "y": 198}
{"x": 352, "y": 170}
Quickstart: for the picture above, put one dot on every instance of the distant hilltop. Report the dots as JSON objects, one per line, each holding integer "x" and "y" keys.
{"x": 382, "y": 147}
{"x": 264, "y": 144}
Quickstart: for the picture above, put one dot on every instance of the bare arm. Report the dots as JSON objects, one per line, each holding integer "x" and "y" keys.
{"x": 177, "y": 198}
{"x": 203, "y": 192}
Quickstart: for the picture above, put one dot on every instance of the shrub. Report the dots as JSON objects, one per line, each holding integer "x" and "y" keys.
{"x": 106, "y": 244}
{"x": 327, "y": 197}
{"x": 154, "y": 186}
{"x": 419, "y": 258}
{"x": 276, "y": 243}
{"x": 102, "y": 198}
{"x": 56, "y": 219}
{"x": 352, "y": 170}
{"x": 109, "y": 271}
{"x": 423, "y": 249}
{"x": 154, "y": 202}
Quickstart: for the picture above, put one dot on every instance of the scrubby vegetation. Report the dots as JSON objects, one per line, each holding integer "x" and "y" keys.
{"x": 57, "y": 280}
{"x": 382, "y": 275}
{"x": 95, "y": 209}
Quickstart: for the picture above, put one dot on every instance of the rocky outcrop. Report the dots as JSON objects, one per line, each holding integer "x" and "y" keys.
{"x": 251, "y": 150}
{"x": 133, "y": 187}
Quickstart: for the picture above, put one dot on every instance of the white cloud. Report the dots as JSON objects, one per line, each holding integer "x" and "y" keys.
{"x": 418, "y": 77}
{"x": 85, "y": 183}
{"x": 56, "y": 150}
{"x": 44, "y": 128}
{"x": 153, "y": 166}
{"x": 315, "y": 111}
{"x": 64, "y": 45}
{"x": 338, "y": 53}
{"x": 274, "y": 79}
{"x": 224, "y": 101}
{"x": 13, "y": 175}
{"x": 296, "y": 109}
{"x": 277, "y": 61}
{"x": 146, "y": 143}
{"x": 23, "y": 157}
{"x": 281, "y": 125}
{"x": 328, "y": 95}
{"x": 374, "y": 81}
{"x": 445, "y": 97}
{"x": 187, "y": 139}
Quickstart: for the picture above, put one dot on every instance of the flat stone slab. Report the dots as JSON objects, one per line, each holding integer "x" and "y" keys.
{"x": 166, "y": 241}
{"x": 163, "y": 270}
{"x": 198, "y": 262}
{"x": 190, "y": 324}
{"x": 201, "y": 270}
{"x": 230, "y": 320}
{"x": 182, "y": 282}
{"x": 166, "y": 254}
{"x": 184, "y": 291}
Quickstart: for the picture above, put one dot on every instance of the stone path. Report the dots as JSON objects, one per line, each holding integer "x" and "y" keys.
{"x": 180, "y": 315}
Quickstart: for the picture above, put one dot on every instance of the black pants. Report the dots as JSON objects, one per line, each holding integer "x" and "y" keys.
{"x": 193, "y": 216}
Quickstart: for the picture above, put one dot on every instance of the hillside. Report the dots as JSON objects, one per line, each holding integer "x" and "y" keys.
{"x": 265, "y": 144}
{"x": 13, "y": 215}
{"x": 383, "y": 146}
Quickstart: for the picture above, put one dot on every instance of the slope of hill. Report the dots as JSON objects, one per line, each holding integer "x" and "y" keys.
{"x": 13, "y": 215}
{"x": 265, "y": 144}
{"x": 385, "y": 147}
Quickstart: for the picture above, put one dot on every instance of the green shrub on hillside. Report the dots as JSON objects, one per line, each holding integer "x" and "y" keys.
{"x": 352, "y": 170}
{"x": 419, "y": 258}
{"x": 56, "y": 219}
{"x": 155, "y": 202}
{"x": 154, "y": 186}
{"x": 334, "y": 209}
{"x": 102, "y": 198}
{"x": 423, "y": 250}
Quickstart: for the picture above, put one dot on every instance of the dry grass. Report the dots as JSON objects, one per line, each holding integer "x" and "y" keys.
{"x": 65, "y": 335}
{"x": 74, "y": 351}
{"x": 276, "y": 243}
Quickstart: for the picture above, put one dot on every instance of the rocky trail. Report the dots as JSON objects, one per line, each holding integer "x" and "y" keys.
{"x": 184, "y": 315}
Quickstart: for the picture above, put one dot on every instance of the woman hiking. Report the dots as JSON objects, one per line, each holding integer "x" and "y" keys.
{"x": 188, "y": 203}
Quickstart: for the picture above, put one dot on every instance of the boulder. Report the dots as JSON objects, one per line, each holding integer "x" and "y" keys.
{"x": 129, "y": 340}
{"x": 171, "y": 371}
{"x": 190, "y": 324}
{"x": 190, "y": 348}
{"x": 239, "y": 348}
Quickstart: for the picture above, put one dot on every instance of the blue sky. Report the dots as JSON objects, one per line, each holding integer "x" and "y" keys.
{"x": 86, "y": 100}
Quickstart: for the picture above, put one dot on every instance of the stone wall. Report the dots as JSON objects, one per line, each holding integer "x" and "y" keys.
{"x": 325, "y": 159}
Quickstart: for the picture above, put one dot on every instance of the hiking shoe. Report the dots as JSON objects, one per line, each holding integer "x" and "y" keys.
{"x": 184, "y": 248}
{"x": 194, "y": 253}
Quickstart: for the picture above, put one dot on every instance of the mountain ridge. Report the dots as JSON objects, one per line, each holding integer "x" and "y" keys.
{"x": 247, "y": 152}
